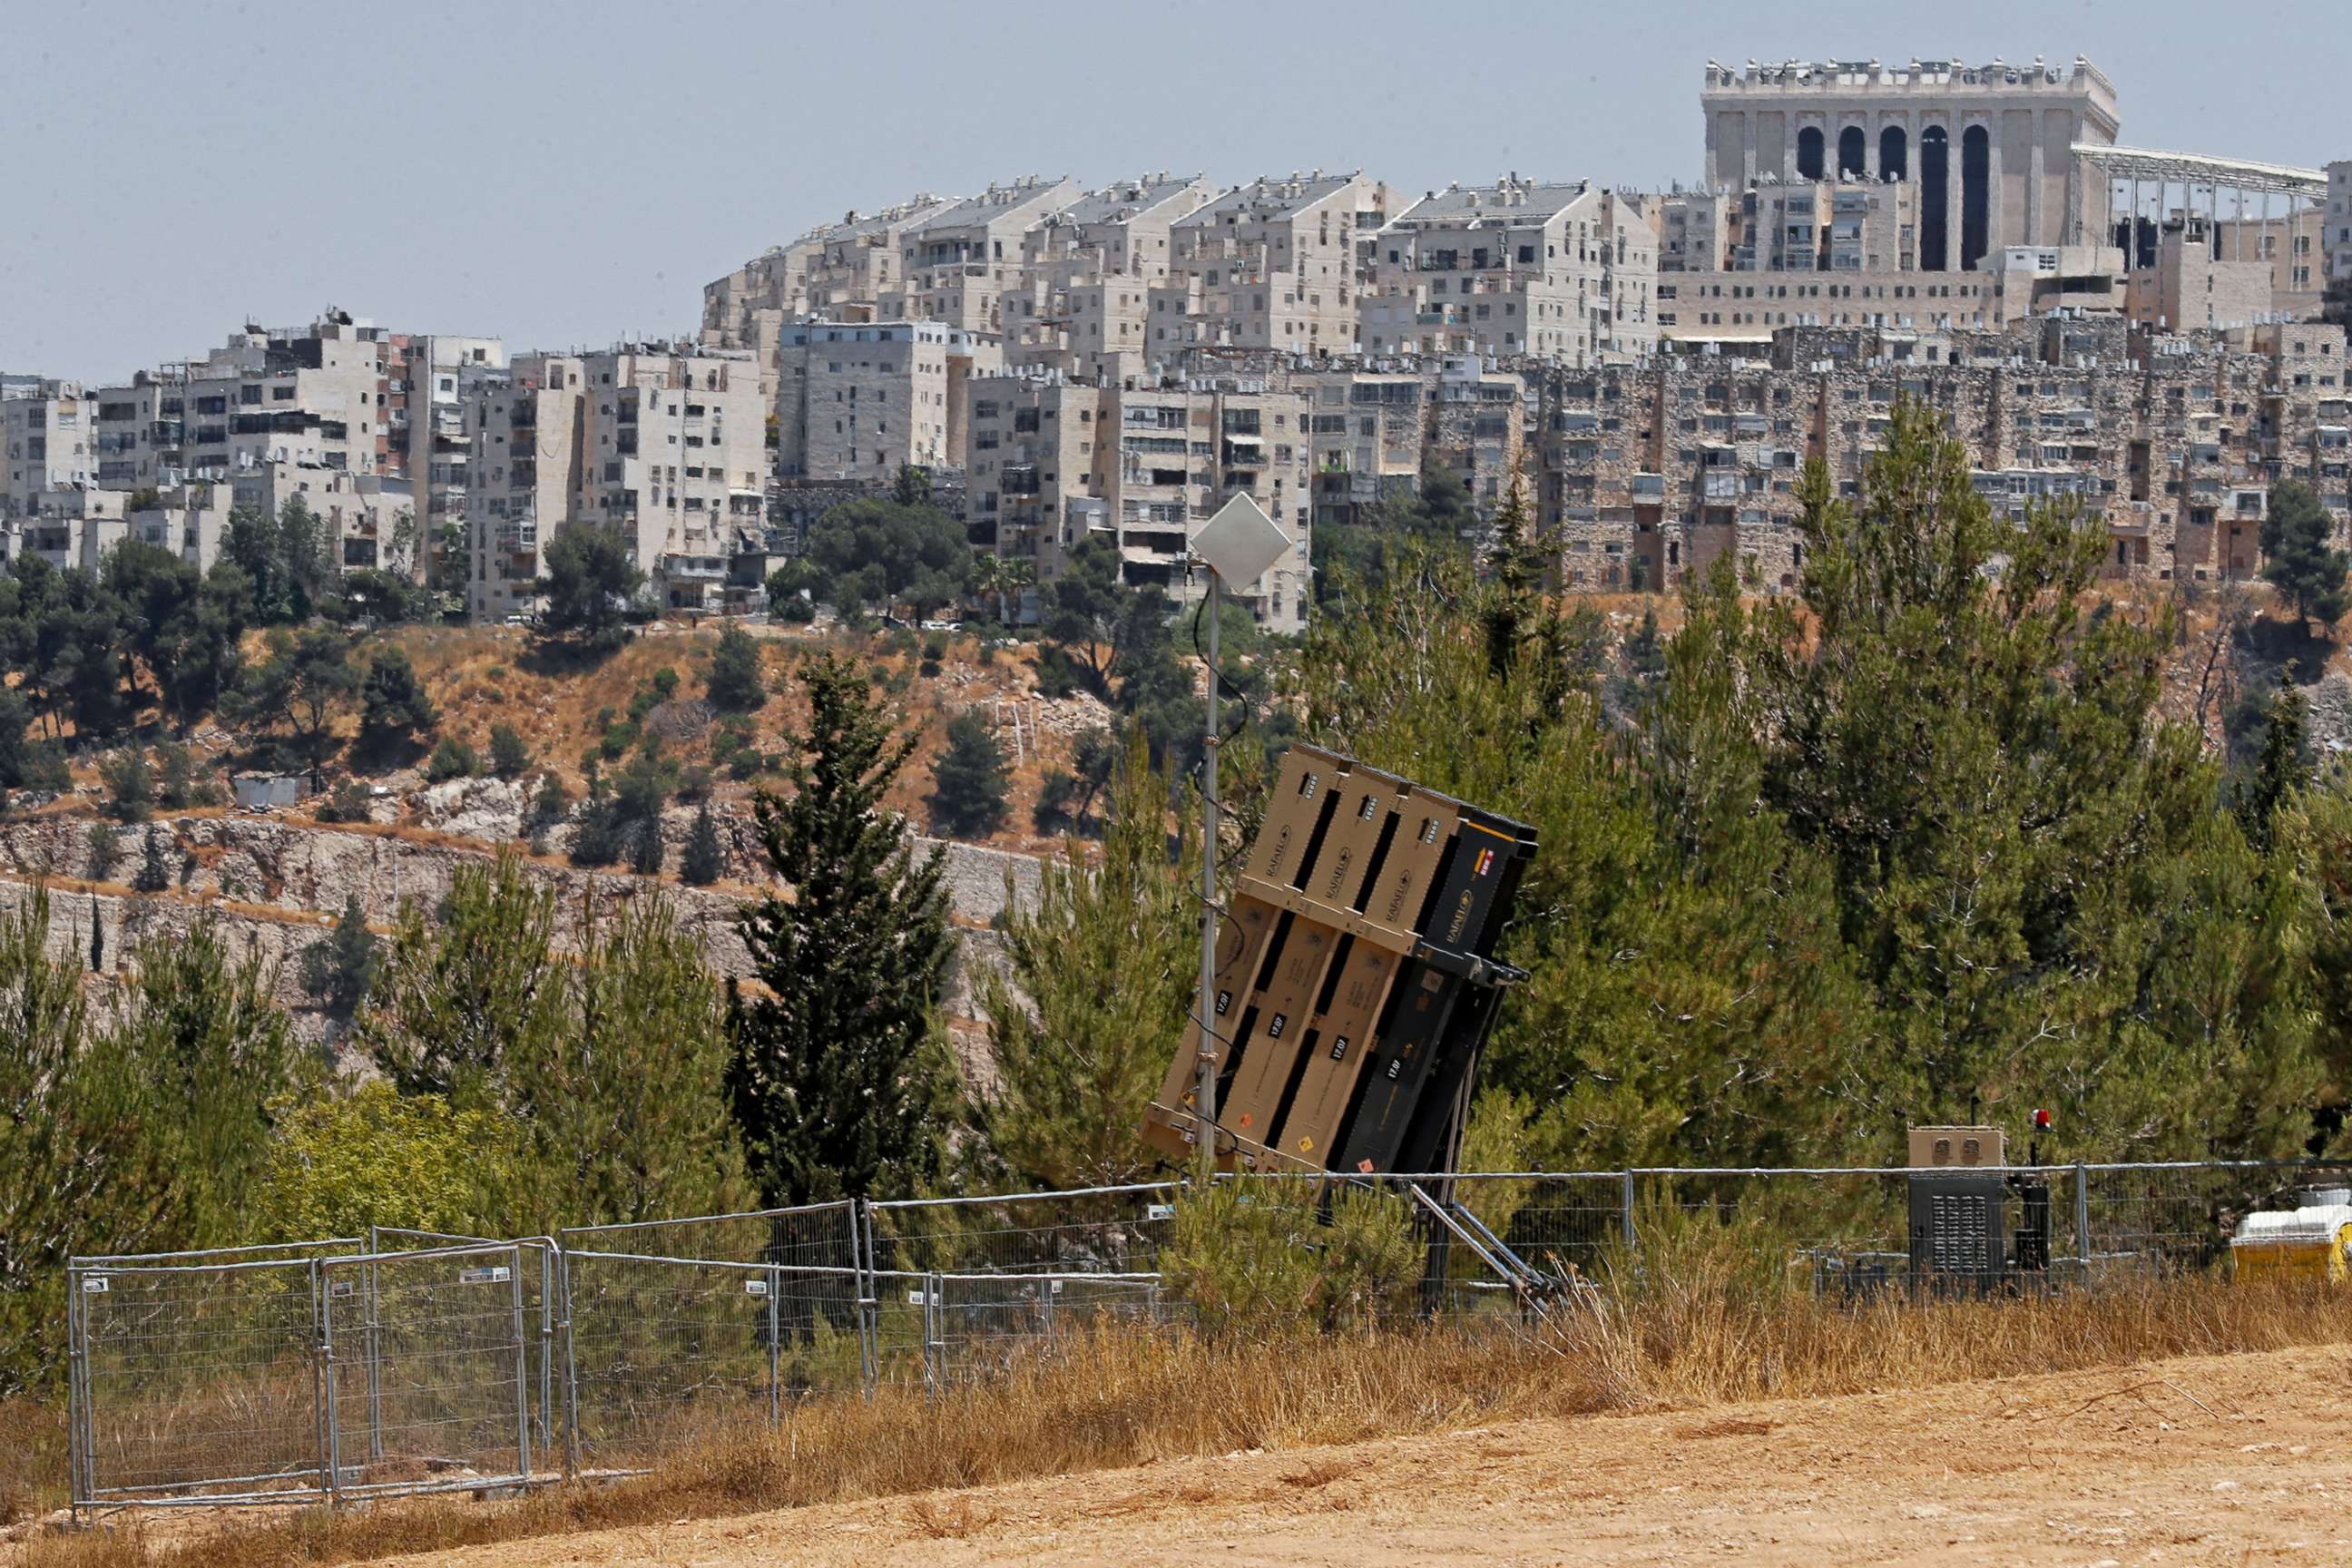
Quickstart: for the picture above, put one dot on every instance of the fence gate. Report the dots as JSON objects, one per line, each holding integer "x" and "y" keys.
{"x": 424, "y": 1365}
{"x": 196, "y": 1380}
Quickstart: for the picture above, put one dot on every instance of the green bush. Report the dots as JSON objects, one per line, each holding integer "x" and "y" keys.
{"x": 1272, "y": 1255}
{"x": 336, "y": 1166}
{"x": 452, "y": 759}
{"x": 130, "y": 785}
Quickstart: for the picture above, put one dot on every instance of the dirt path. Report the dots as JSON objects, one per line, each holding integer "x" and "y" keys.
{"x": 2220, "y": 1460}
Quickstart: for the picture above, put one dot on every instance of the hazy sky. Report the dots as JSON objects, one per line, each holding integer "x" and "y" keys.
{"x": 561, "y": 175}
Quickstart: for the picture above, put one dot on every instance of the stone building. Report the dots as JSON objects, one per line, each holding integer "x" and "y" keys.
{"x": 1650, "y": 472}
{"x": 1275, "y": 264}
{"x": 1561, "y": 272}
{"x": 664, "y": 444}
{"x": 1053, "y": 462}
{"x": 1082, "y": 303}
{"x": 956, "y": 262}
{"x": 48, "y": 434}
{"x": 861, "y": 401}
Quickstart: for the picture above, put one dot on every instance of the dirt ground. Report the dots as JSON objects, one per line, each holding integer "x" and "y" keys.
{"x": 2220, "y": 1460}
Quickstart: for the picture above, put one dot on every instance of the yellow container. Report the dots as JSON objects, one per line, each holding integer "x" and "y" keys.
{"x": 2298, "y": 1244}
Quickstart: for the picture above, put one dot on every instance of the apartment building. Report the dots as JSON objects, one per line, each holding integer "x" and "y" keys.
{"x": 1053, "y": 462}
{"x": 48, "y": 434}
{"x": 1082, "y": 302}
{"x": 839, "y": 269}
{"x": 958, "y": 261}
{"x": 1648, "y": 473}
{"x": 861, "y": 401}
{"x": 70, "y": 527}
{"x": 190, "y": 521}
{"x": 663, "y": 444}
{"x": 369, "y": 519}
{"x": 1560, "y": 271}
{"x": 425, "y": 381}
{"x": 2337, "y": 237}
{"x": 1275, "y": 264}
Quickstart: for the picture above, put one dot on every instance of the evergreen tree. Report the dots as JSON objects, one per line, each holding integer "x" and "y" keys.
{"x": 2280, "y": 769}
{"x": 703, "y": 863}
{"x": 969, "y": 781}
{"x": 840, "y": 1081}
{"x": 305, "y": 687}
{"x": 1097, "y": 971}
{"x": 509, "y": 753}
{"x": 608, "y": 1069}
{"x": 154, "y": 873}
{"x": 339, "y": 970}
{"x": 736, "y": 686}
{"x": 130, "y": 784}
{"x": 395, "y": 711}
{"x": 589, "y": 586}
{"x": 2299, "y": 556}
{"x": 200, "y": 1031}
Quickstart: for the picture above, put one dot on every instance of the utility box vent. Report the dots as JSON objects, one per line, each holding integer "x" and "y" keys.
{"x": 1961, "y": 1148}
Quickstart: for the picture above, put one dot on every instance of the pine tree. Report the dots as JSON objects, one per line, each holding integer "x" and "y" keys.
{"x": 200, "y": 1031}
{"x": 703, "y": 862}
{"x": 1098, "y": 976}
{"x": 2300, "y": 558}
{"x": 340, "y": 969}
{"x": 736, "y": 685}
{"x": 969, "y": 781}
{"x": 395, "y": 711}
{"x": 2279, "y": 771}
{"x": 840, "y": 1080}
{"x": 154, "y": 875}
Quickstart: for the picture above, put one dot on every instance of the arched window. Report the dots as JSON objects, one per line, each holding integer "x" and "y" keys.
{"x": 1808, "y": 152}
{"x": 1851, "y": 144}
{"x": 1894, "y": 153}
{"x": 1935, "y": 185}
{"x": 1976, "y": 194}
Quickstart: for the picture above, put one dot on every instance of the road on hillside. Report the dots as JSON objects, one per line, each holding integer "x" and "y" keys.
{"x": 2217, "y": 1460}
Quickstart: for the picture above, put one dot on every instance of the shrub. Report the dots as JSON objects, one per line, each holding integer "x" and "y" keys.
{"x": 349, "y": 802}
{"x": 336, "y": 1166}
{"x": 130, "y": 785}
{"x": 179, "y": 783}
{"x": 736, "y": 685}
{"x": 665, "y": 684}
{"x": 509, "y": 753}
{"x": 1273, "y": 1256}
{"x": 452, "y": 759}
{"x": 105, "y": 850}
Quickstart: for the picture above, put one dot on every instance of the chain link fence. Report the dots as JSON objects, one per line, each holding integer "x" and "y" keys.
{"x": 412, "y": 1361}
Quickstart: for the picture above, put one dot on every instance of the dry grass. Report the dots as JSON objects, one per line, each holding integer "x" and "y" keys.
{"x": 1120, "y": 1399}
{"x": 32, "y": 1458}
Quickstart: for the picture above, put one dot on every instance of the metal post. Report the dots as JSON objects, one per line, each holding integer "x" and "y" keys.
{"x": 934, "y": 1360}
{"x": 323, "y": 1376}
{"x": 775, "y": 1349}
{"x": 865, "y": 1278}
{"x": 372, "y": 1316}
{"x": 521, "y": 1342}
{"x": 1625, "y": 1209}
{"x": 1205, "y": 1094}
{"x": 2083, "y": 1218}
{"x": 77, "y": 1394}
{"x": 570, "y": 1371}
{"x": 547, "y": 1345}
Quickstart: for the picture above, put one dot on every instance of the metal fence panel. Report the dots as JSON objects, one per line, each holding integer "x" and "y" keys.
{"x": 197, "y": 1380}
{"x": 426, "y": 1370}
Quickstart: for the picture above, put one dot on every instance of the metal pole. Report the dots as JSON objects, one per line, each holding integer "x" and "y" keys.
{"x": 521, "y": 1366}
{"x": 1205, "y": 1094}
{"x": 776, "y": 1351}
{"x": 2083, "y": 1217}
{"x": 76, "y": 1393}
{"x": 1625, "y": 1208}
{"x": 375, "y": 1349}
{"x": 864, "y": 1278}
{"x": 323, "y": 1383}
{"x": 570, "y": 1371}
